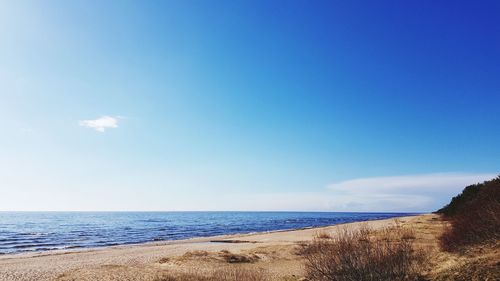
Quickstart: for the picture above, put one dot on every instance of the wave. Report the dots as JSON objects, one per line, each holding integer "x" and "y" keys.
{"x": 48, "y": 231}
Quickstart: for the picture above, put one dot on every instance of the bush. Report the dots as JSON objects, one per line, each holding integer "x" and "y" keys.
{"x": 237, "y": 258}
{"x": 323, "y": 235}
{"x": 474, "y": 216}
{"x": 363, "y": 255}
{"x": 461, "y": 202}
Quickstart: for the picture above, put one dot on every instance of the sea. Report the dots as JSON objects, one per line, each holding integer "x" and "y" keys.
{"x": 45, "y": 231}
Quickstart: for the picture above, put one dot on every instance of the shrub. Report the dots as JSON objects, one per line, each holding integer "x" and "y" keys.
{"x": 363, "y": 255}
{"x": 459, "y": 203}
{"x": 323, "y": 235}
{"x": 237, "y": 258}
{"x": 474, "y": 216}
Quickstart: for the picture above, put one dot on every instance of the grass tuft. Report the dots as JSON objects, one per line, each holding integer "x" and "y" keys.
{"x": 221, "y": 274}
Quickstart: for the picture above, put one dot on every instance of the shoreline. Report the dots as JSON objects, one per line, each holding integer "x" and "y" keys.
{"x": 141, "y": 261}
{"x": 199, "y": 239}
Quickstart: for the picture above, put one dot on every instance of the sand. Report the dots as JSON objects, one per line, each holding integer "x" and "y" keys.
{"x": 274, "y": 252}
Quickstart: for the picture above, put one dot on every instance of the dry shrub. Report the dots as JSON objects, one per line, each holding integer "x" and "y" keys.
{"x": 222, "y": 274}
{"x": 237, "y": 258}
{"x": 195, "y": 254}
{"x": 409, "y": 234}
{"x": 476, "y": 220}
{"x": 164, "y": 260}
{"x": 323, "y": 235}
{"x": 362, "y": 255}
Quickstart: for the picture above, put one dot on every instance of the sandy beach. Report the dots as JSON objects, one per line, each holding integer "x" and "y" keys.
{"x": 273, "y": 252}
{"x": 249, "y": 140}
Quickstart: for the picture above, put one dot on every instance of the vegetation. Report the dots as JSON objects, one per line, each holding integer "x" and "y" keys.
{"x": 474, "y": 216}
{"x": 364, "y": 255}
{"x": 470, "y": 193}
{"x": 388, "y": 254}
{"x": 222, "y": 274}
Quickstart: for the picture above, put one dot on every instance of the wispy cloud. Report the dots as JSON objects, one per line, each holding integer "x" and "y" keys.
{"x": 408, "y": 192}
{"x": 100, "y": 124}
{"x": 427, "y": 182}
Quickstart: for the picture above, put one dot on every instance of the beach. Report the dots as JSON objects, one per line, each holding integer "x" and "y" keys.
{"x": 274, "y": 252}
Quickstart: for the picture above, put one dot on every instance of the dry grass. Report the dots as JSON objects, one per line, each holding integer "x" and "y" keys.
{"x": 323, "y": 235}
{"x": 359, "y": 255}
{"x": 237, "y": 258}
{"x": 191, "y": 254}
{"x": 478, "y": 263}
{"x": 223, "y": 274}
{"x": 224, "y": 256}
{"x": 164, "y": 260}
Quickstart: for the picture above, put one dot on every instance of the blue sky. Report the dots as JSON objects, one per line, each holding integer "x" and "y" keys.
{"x": 246, "y": 105}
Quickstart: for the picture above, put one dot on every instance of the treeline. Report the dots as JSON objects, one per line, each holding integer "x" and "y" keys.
{"x": 474, "y": 216}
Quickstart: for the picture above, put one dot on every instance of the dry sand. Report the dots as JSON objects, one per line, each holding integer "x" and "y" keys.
{"x": 274, "y": 252}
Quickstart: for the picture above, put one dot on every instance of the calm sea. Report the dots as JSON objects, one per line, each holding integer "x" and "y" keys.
{"x": 43, "y": 231}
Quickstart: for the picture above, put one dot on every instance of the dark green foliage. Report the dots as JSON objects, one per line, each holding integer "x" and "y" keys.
{"x": 474, "y": 216}
{"x": 468, "y": 195}
{"x": 460, "y": 200}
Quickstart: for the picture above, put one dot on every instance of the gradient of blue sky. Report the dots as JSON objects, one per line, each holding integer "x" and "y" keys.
{"x": 238, "y": 105}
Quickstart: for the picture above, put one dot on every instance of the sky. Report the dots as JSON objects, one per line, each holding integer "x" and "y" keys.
{"x": 387, "y": 106}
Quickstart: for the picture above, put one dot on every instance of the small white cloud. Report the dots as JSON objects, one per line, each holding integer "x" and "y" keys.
{"x": 100, "y": 124}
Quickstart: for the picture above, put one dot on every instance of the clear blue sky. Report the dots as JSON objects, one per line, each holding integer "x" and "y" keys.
{"x": 246, "y": 105}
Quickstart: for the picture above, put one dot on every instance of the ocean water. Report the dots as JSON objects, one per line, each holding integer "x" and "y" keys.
{"x": 43, "y": 231}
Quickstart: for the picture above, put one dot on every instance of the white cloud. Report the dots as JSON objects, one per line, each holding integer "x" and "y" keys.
{"x": 437, "y": 182}
{"x": 410, "y": 193}
{"x": 100, "y": 124}
{"x": 424, "y": 192}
